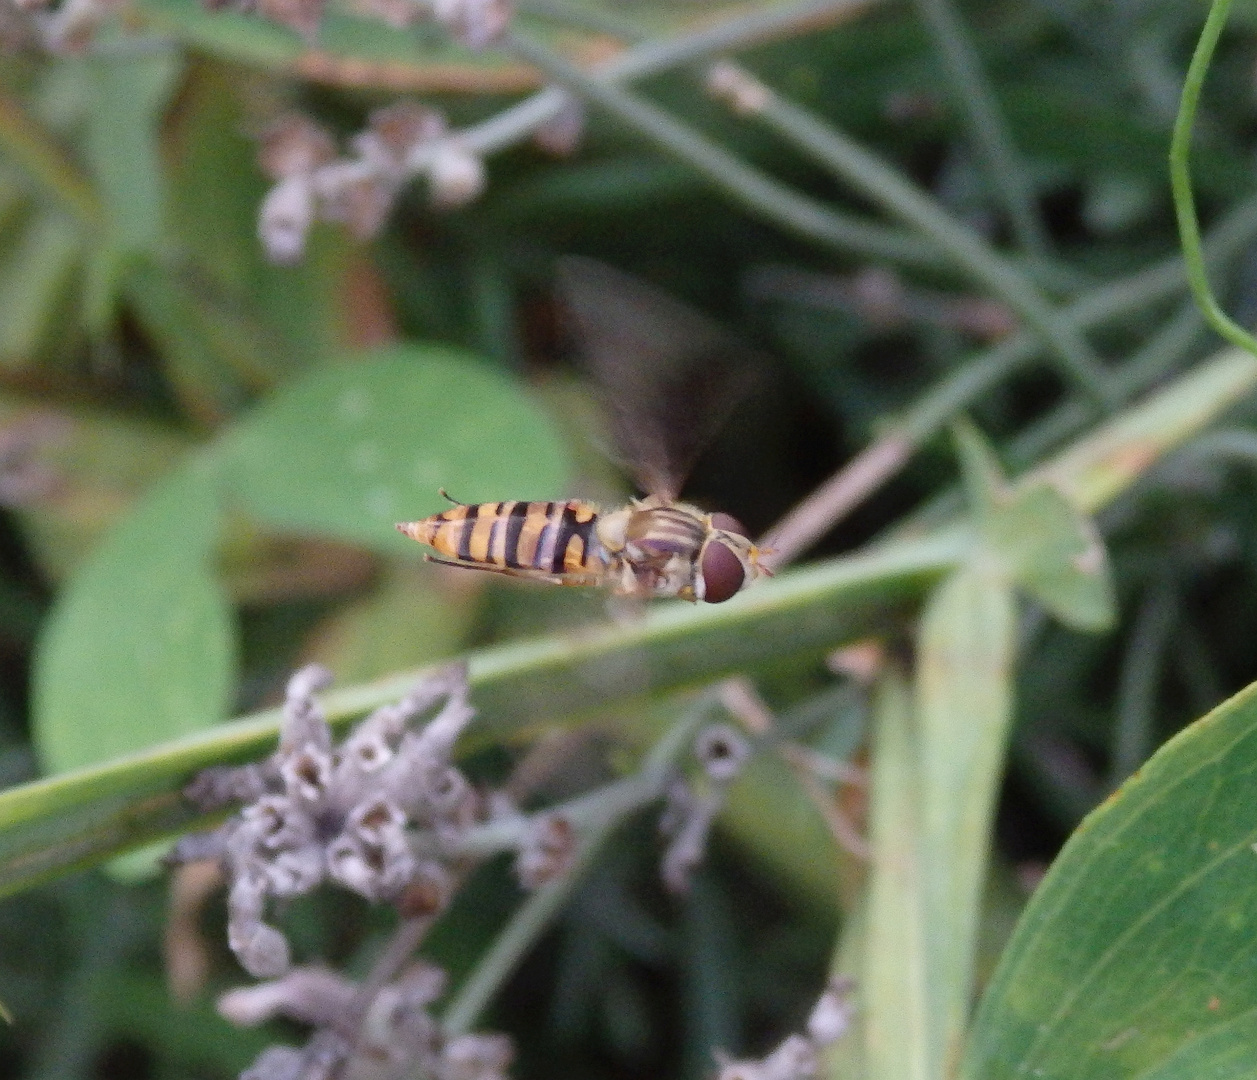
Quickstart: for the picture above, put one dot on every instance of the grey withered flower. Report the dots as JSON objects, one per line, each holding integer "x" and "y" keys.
{"x": 350, "y": 814}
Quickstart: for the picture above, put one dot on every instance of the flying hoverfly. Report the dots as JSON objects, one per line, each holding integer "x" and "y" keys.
{"x": 670, "y": 377}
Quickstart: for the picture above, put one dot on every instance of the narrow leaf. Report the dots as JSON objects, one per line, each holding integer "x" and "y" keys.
{"x": 896, "y": 1003}
{"x": 963, "y": 705}
{"x": 35, "y": 276}
{"x": 44, "y": 161}
{"x": 129, "y": 94}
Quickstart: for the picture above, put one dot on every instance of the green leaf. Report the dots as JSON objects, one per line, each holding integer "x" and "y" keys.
{"x": 963, "y": 705}
{"x": 896, "y": 1004}
{"x": 1055, "y": 554}
{"x": 35, "y": 277}
{"x": 1136, "y": 957}
{"x": 182, "y": 324}
{"x": 129, "y": 95}
{"x": 29, "y": 145}
{"x": 1043, "y": 542}
{"x": 264, "y": 320}
{"x": 140, "y": 647}
{"x": 980, "y": 470}
{"x": 350, "y": 450}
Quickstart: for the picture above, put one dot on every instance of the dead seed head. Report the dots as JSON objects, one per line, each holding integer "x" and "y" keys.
{"x": 293, "y": 144}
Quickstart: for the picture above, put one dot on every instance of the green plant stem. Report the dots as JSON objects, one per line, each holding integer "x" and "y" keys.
{"x": 769, "y": 198}
{"x": 899, "y": 197}
{"x": 1181, "y": 183}
{"x": 538, "y": 911}
{"x": 972, "y": 93}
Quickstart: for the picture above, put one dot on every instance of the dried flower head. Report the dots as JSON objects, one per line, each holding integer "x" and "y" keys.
{"x": 548, "y": 848}
{"x": 351, "y": 815}
{"x": 293, "y": 144}
{"x": 733, "y": 85}
{"x": 561, "y": 134}
{"x": 796, "y": 1058}
{"x": 476, "y": 23}
{"x": 396, "y": 132}
{"x": 722, "y": 751}
{"x": 285, "y": 218}
{"x": 456, "y": 177}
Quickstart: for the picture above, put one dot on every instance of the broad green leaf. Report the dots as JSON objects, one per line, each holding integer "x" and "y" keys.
{"x": 410, "y": 619}
{"x": 1136, "y": 957}
{"x": 140, "y": 647}
{"x": 895, "y": 988}
{"x": 962, "y": 708}
{"x": 352, "y": 449}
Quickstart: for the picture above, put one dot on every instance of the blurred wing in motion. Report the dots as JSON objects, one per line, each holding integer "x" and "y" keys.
{"x": 670, "y": 376}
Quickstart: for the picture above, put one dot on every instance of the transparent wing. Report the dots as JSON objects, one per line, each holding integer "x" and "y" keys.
{"x": 670, "y": 376}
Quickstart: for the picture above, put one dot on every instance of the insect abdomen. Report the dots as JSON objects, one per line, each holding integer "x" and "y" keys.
{"x": 552, "y": 537}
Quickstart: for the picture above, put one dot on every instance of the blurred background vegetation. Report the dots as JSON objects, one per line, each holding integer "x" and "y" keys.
{"x": 144, "y": 334}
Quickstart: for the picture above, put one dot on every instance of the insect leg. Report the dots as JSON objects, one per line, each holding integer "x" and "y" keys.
{"x": 448, "y": 497}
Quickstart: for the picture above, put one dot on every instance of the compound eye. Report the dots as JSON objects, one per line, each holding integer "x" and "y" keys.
{"x": 723, "y": 573}
{"x": 728, "y": 523}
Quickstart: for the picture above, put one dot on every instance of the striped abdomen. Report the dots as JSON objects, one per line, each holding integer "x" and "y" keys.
{"x": 550, "y": 537}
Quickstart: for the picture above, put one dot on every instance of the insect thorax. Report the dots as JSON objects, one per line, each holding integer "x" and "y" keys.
{"x": 653, "y": 547}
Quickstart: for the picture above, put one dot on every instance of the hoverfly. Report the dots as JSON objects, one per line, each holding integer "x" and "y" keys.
{"x": 654, "y": 359}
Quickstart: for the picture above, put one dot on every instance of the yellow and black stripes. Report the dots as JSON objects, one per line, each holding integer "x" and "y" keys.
{"x": 546, "y": 537}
